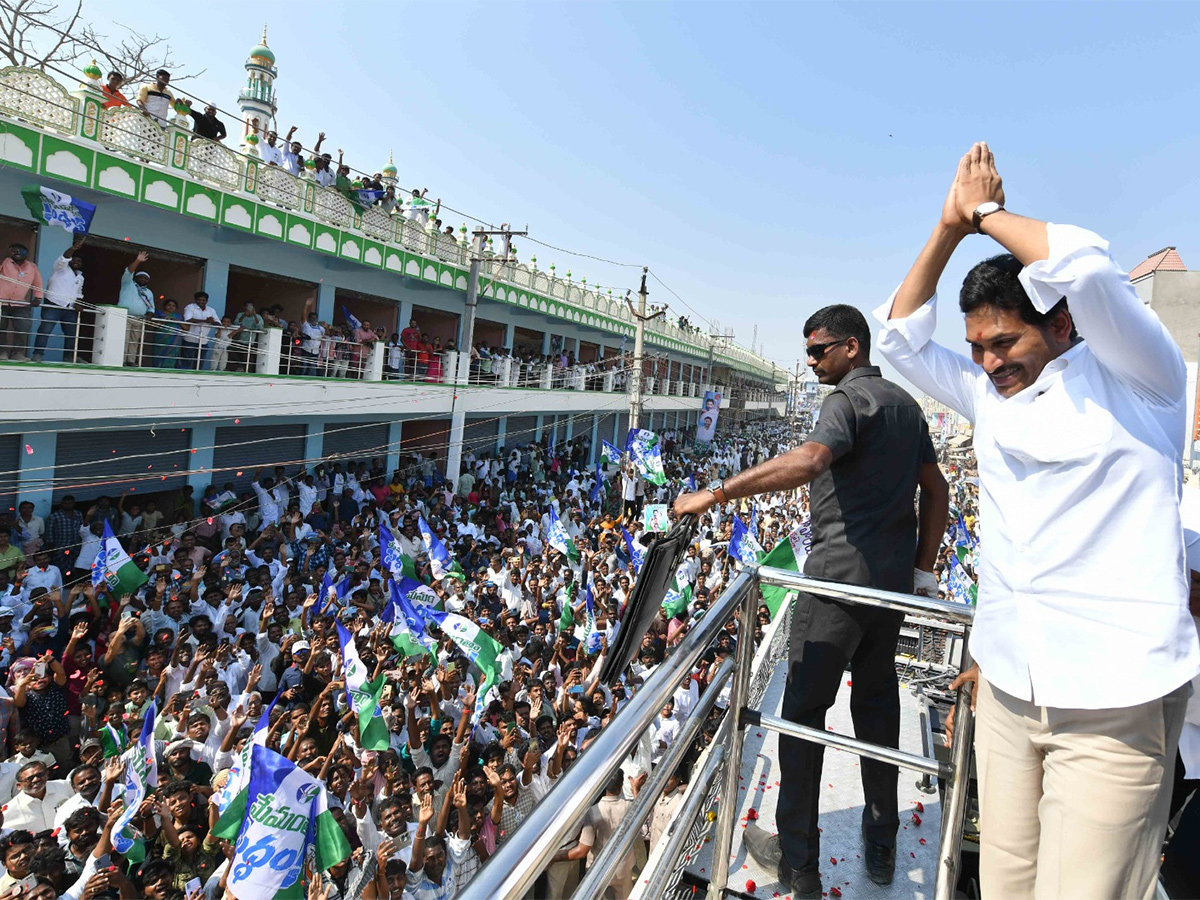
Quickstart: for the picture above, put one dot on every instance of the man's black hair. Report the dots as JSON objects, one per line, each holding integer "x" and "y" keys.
{"x": 162, "y": 72}
{"x": 841, "y": 321}
{"x": 84, "y": 817}
{"x": 994, "y": 282}
{"x": 14, "y": 839}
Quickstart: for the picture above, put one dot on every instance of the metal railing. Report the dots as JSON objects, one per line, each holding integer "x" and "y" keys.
{"x": 516, "y": 865}
{"x": 33, "y": 97}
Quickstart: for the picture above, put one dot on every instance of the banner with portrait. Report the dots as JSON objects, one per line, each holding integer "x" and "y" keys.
{"x": 706, "y": 424}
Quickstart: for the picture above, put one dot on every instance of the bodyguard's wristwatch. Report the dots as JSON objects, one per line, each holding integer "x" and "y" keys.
{"x": 717, "y": 489}
{"x": 982, "y": 211}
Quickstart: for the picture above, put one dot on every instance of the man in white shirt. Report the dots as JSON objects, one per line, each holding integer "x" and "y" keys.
{"x": 41, "y": 575}
{"x": 267, "y": 507}
{"x": 271, "y": 151}
{"x": 63, "y": 293}
{"x": 90, "y": 537}
{"x": 196, "y": 315}
{"x": 1078, "y": 437}
{"x": 663, "y": 732}
{"x": 37, "y": 800}
{"x": 311, "y": 335}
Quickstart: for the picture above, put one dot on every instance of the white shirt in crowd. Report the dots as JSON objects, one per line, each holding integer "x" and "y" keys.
{"x": 65, "y": 288}
{"x": 312, "y": 335}
{"x": 270, "y": 154}
{"x": 1079, "y": 478}
{"x": 194, "y": 314}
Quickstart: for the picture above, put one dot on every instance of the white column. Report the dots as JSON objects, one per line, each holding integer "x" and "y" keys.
{"x": 270, "y": 348}
{"x": 111, "y": 325}
{"x": 374, "y": 370}
{"x": 458, "y": 422}
{"x": 609, "y": 381}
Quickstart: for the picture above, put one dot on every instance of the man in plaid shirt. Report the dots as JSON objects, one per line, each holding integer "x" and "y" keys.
{"x": 62, "y": 534}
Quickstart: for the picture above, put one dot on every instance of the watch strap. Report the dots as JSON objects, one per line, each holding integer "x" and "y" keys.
{"x": 977, "y": 217}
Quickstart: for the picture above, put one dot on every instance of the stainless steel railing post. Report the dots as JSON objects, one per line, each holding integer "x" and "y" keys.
{"x": 600, "y": 872}
{"x": 954, "y": 810}
{"x": 727, "y": 805}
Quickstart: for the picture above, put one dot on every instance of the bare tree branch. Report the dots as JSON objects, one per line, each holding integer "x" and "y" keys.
{"x": 33, "y": 33}
{"x": 135, "y": 55}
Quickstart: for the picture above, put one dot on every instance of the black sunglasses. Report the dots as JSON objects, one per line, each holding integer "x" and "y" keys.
{"x": 816, "y": 352}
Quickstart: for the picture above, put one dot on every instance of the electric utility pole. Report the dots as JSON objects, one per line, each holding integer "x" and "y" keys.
{"x": 795, "y": 404}
{"x": 477, "y": 259}
{"x": 639, "y": 338}
{"x": 462, "y": 374}
{"x": 713, "y": 340}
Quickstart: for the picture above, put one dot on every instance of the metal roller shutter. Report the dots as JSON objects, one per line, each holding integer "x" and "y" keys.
{"x": 622, "y": 430}
{"x": 89, "y": 464}
{"x": 604, "y": 431}
{"x": 243, "y": 448}
{"x": 355, "y": 440}
{"x": 480, "y": 435}
{"x": 10, "y": 461}
{"x": 520, "y": 431}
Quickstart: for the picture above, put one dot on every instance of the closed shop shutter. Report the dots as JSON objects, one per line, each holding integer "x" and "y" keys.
{"x": 90, "y": 464}
{"x": 480, "y": 435}
{"x": 520, "y": 431}
{"x": 604, "y": 431}
{"x": 10, "y": 461}
{"x": 356, "y": 440}
{"x": 241, "y": 449}
{"x": 622, "y": 430}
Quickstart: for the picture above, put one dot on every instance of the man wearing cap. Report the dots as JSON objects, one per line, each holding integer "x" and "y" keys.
{"x": 136, "y": 298}
{"x": 182, "y": 764}
{"x": 291, "y": 682}
{"x": 207, "y": 125}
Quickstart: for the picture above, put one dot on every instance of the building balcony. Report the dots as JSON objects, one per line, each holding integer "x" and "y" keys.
{"x": 146, "y": 366}
{"x": 68, "y": 136}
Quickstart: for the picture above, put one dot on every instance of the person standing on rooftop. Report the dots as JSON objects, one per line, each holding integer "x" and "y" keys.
{"x": 155, "y": 98}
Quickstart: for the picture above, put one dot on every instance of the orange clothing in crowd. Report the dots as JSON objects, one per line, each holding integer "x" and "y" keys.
{"x": 114, "y": 98}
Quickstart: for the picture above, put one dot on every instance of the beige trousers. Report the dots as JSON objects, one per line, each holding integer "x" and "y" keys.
{"x": 562, "y": 879}
{"x": 1073, "y": 802}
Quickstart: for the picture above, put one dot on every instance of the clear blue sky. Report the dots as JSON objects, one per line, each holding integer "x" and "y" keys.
{"x": 763, "y": 159}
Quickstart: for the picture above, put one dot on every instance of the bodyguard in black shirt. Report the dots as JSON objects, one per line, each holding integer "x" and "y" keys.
{"x": 863, "y": 462}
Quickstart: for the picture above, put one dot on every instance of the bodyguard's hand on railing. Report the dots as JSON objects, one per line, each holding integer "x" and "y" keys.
{"x": 970, "y": 676}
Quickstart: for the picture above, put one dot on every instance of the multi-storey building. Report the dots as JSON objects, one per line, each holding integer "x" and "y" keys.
{"x": 106, "y": 413}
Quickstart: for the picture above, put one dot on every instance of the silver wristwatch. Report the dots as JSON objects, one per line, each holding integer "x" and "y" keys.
{"x": 982, "y": 211}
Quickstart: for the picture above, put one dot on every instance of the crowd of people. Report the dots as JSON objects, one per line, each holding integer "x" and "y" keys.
{"x": 232, "y": 616}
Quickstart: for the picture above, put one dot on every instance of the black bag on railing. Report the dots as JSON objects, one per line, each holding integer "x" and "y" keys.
{"x": 662, "y": 559}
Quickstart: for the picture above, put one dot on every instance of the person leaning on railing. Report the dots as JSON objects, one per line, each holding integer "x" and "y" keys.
{"x": 1082, "y": 639}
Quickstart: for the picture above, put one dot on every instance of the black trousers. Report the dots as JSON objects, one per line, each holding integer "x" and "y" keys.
{"x": 828, "y": 636}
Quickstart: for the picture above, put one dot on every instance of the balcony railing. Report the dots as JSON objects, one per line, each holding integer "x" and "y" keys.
{"x": 31, "y": 97}
{"x": 109, "y": 337}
